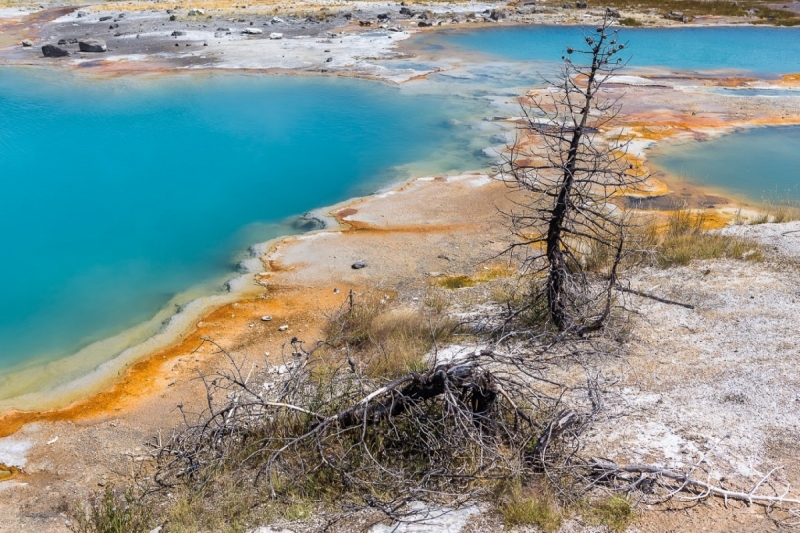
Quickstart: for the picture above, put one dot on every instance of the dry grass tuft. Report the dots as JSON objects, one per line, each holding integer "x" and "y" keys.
{"x": 685, "y": 240}
{"x": 527, "y": 506}
{"x": 386, "y": 341}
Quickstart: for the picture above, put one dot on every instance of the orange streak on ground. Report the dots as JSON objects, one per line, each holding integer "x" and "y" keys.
{"x": 138, "y": 383}
{"x": 8, "y": 472}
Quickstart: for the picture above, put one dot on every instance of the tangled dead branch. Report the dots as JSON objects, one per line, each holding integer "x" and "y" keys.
{"x": 318, "y": 424}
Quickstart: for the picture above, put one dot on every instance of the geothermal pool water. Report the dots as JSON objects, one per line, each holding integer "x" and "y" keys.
{"x": 759, "y": 164}
{"x": 753, "y": 49}
{"x": 123, "y": 196}
{"x": 119, "y": 194}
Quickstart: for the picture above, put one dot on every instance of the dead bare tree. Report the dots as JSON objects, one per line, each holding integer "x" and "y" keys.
{"x": 571, "y": 167}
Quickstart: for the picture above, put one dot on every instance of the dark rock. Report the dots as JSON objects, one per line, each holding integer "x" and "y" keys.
{"x": 62, "y": 41}
{"x": 173, "y": 18}
{"x": 613, "y": 13}
{"x": 383, "y": 16}
{"x": 348, "y": 16}
{"x": 497, "y": 14}
{"x": 677, "y": 15}
{"x": 581, "y": 5}
{"x": 50, "y": 50}
{"x": 423, "y": 24}
{"x": 308, "y": 223}
{"x": 92, "y": 45}
{"x": 103, "y": 19}
{"x": 178, "y": 33}
{"x": 358, "y": 264}
{"x": 365, "y": 23}
{"x": 223, "y": 29}
{"x": 406, "y": 11}
{"x": 113, "y": 27}
{"x": 329, "y": 60}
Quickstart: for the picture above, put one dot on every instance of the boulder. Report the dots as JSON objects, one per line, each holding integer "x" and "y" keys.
{"x": 27, "y": 43}
{"x": 51, "y": 50}
{"x": 406, "y": 11}
{"x": 423, "y": 24}
{"x": 677, "y": 15}
{"x": 92, "y": 45}
{"x": 276, "y": 35}
{"x": 252, "y": 31}
{"x": 178, "y": 33}
{"x": 497, "y": 14}
{"x": 103, "y": 19}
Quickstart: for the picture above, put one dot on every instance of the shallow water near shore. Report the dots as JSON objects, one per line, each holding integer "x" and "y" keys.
{"x": 120, "y": 194}
{"x": 759, "y": 164}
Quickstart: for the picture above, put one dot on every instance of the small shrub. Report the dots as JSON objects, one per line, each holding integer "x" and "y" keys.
{"x": 113, "y": 512}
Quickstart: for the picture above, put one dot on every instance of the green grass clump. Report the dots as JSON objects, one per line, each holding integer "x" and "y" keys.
{"x": 615, "y": 513}
{"x": 113, "y": 512}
